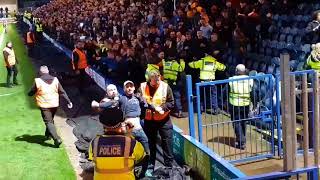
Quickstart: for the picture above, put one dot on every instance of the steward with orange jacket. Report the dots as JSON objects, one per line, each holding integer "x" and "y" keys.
{"x": 79, "y": 64}
{"x": 160, "y": 101}
{"x": 47, "y": 90}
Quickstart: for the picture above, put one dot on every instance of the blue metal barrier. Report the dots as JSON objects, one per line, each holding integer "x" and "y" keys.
{"x": 216, "y": 127}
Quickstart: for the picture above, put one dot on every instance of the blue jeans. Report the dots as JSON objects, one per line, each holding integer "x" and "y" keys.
{"x": 209, "y": 97}
{"x": 142, "y": 138}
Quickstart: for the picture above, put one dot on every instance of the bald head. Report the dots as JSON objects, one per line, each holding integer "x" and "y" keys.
{"x": 241, "y": 69}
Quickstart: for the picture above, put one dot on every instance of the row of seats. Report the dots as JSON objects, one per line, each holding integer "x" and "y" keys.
{"x": 287, "y": 30}
{"x": 291, "y": 18}
{"x": 267, "y": 45}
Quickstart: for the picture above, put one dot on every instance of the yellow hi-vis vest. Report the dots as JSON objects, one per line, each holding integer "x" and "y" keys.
{"x": 115, "y": 156}
{"x": 158, "y": 99}
{"x": 208, "y": 66}
{"x": 39, "y": 27}
{"x": 150, "y": 67}
{"x": 47, "y": 95}
{"x": 315, "y": 65}
{"x": 11, "y": 56}
{"x": 171, "y": 69}
{"x": 239, "y": 94}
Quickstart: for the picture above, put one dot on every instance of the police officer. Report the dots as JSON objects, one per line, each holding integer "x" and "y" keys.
{"x": 239, "y": 102}
{"x": 79, "y": 64}
{"x": 47, "y": 90}
{"x": 208, "y": 67}
{"x": 39, "y": 30}
{"x": 171, "y": 70}
{"x": 10, "y": 62}
{"x": 313, "y": 61}
{"x": 159, "y": 97}
{"x": 116, "y": 152}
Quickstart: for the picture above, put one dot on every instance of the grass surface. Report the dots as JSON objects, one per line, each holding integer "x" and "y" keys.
{"x": 23, "y": 152}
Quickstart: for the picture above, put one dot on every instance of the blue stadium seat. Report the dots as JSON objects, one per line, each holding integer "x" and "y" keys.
{"x": 301, "y": 56}
{"x": 306, "y": 48}
{"x": 289, "y": 38}
{"x": 275, "y": 37}
{"x": 275, "y": 61}
{"x": 298, "y": 18}
{"x": 294, "y": 31}
{"x": 268, "y": 51}
{"x": 255, "y": 65}
{"x": 284, "y": 18}
{"x": 275, "y": 52}
{"x": 273, "y": 44}
{"x": 253, "y": 73}
{"x": 275, "y": 17}
{"x": 281, "y": 45}
{"x": 300, "y": 66}
{"x": 282, "y": 37}
{"x": 262, "y": 67}
{"x": 270, "y": 69}
{"x": 297, "y": 39}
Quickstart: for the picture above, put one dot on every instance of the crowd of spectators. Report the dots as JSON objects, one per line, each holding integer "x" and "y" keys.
{"x": 123, "y": 36}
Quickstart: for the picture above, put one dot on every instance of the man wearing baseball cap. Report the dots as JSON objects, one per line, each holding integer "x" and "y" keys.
{"x": 115, "y": 153}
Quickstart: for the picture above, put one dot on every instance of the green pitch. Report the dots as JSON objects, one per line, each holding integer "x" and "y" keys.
{"x": 23, "y": 152}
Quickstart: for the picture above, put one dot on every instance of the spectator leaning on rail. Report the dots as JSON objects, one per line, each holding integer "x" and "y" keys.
{"x": 160, "y": 101}
{"x": 115, "y": 153}
{"x": 208, "y": 67}
{"x": 47, "y": 90}
{"x": 239, "y": 100}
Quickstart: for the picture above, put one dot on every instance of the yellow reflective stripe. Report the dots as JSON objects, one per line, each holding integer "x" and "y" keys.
{"x": 126, "y": 157}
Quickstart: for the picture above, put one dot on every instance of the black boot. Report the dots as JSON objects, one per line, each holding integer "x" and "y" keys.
{"x": 57, "y": 143}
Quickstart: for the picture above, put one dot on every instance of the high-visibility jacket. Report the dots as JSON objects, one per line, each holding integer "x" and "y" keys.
{"x": 115, "y": 156}
{"x": 11, "y": 59}
{"x": 27, "y": 15}
{"x": 208, "y": 67}
{"x": 39, "y": 27}
{"x": 239, "y": 94}
{"x": 171, "y": 69}
{"x": 315, "y": 65}
{"x": 47, "y": 95}
{"x": 30, "y": 38}
{"x": 151, "y": 67}
{"x": 82, "y": 62}
{"x": 158, "y": 99}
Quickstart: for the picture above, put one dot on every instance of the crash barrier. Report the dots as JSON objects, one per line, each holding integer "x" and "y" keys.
{"x": 187, "y": 150}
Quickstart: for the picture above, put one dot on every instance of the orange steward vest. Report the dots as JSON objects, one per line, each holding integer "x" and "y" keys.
{"x": 11, "y": 56}
{"x": 159, "y": 98}
{"x": 30, "y": 38}
{"x": 47, "y": 95}
{"x": 82, "y": 63}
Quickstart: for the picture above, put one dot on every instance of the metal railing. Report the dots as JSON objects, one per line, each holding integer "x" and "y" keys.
{"x": 233, "y": 129}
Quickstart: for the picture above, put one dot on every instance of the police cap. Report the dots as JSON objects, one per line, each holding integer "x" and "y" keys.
{"x": 111, "y": 117}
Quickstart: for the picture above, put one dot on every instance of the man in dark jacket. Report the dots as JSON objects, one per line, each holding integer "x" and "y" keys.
{"x": 47, "y": 90}
{"x": 313, "y": 28}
